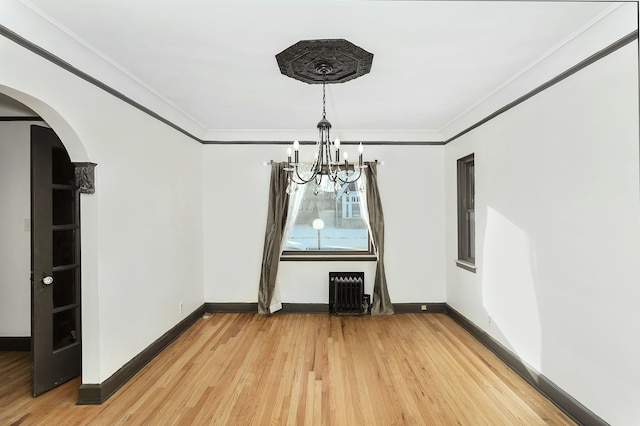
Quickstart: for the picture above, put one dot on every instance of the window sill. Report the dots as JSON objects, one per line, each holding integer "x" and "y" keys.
{"x": 471, "y": 267}
{"x": 365, "y": 257}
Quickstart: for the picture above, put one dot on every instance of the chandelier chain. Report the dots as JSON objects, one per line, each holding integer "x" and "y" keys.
{"x": 324, "y": 99}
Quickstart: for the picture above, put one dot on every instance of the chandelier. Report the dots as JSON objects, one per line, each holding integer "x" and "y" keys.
{"x": 324, "y": 62}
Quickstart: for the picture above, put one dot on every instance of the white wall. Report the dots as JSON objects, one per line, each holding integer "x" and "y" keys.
{"x": 558, "y": 225}
{"x": 15, "y": 235}
{"x": 141, "y": 230}
{"x": 235, "y": 210}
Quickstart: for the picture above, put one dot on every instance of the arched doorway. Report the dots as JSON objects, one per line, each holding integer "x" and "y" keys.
{"x": 52, "y": 223}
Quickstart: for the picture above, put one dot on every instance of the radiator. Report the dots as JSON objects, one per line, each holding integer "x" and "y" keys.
{"x": 346, "y": 293}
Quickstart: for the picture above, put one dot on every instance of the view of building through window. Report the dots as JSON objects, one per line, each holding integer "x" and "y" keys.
{"x": 329, "y": 220}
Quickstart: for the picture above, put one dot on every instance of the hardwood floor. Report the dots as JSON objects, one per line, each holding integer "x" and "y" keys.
{"x": 413, "y": 369}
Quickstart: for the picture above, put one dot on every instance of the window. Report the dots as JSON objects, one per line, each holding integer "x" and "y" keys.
{"x": 466, "y": 214}
{"x": 328, "y": 224}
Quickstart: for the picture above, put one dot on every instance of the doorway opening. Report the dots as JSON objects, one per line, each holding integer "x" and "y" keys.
{"x": 40, "y": 274}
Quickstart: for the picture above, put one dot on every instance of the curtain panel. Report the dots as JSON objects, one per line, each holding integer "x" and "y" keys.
{"x": 276, "y": 221}
{"x": 381, "y": 304}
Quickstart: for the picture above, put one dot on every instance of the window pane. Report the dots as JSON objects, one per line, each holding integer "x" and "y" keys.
{"x": 337, "y": 218}
{"x": 64, "y": 247}
{"x": 63, "y": 208}
{"x": 470, "y": 185}
{"x": 63, "y": 171}
{"x": 64, "y": 288}
{"x": 466, "y": 209}
{"x": 471, "y": 242}
{"x": 64, "y": 329}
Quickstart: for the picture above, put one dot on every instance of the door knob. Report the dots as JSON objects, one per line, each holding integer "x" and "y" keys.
{"x": 48, "y": 280}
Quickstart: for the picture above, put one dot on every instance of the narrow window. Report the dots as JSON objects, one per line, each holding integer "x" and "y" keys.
{"x": 466, "y": 214}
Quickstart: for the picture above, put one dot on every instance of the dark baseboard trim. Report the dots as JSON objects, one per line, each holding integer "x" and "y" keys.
{"x": 18, "y": 344}
{"x": 416, "y": 308}
{"x": 318, "y": 308}
{"x": 574, "y": 409}
{"x": 305, "y": 308}
{"x": 94, "y": 394}
{"x": 231, "y": 308}
{"x": 252, "y": 308}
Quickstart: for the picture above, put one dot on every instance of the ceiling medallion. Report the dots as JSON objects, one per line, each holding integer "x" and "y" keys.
{"x": 327, "y": 60}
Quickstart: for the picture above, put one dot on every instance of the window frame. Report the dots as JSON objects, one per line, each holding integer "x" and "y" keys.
{"x": 332, "y": 255}
{"x": 466, "y": 209}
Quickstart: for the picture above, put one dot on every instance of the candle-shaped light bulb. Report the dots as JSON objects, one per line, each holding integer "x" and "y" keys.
{"x": 360, "y": 148}
{"x": 296, "y": 146}
{"x": 289, "y": 152}
{"x": 337, "y": 143}
{"x": 346, "y": 163}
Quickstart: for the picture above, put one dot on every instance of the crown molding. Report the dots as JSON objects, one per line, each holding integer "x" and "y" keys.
{"x": 632, "y": 36}
{"x": 310, "y": 136}
{"x": 50, "y": 39}
{"x": 613, "y": 24}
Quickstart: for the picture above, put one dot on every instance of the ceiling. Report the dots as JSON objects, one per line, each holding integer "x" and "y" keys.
{"x": 214, "y": 61}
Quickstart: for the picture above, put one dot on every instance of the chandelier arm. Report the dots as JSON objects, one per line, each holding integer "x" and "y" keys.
{"x": 344, "y": 181}
{"x": 314, "y": 169}
{"x": 301, "y": 180}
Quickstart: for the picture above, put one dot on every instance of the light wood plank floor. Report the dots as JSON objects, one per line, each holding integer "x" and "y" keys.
{"x": 295, "y": 369}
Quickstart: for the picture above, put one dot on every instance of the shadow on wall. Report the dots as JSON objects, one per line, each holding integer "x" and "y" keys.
{"x": 509, "y": 291}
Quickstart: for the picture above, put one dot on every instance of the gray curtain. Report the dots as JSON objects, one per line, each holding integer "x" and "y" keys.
{"x": 381, "y": 302}
{"x": 276, "y": 220}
